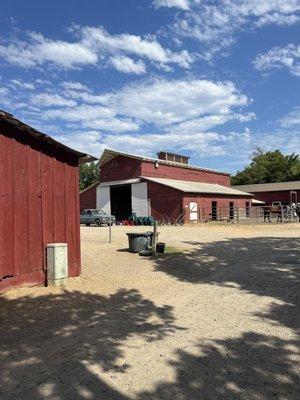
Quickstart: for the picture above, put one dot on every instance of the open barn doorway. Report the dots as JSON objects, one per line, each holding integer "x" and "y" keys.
{"x": 120, "y": 201}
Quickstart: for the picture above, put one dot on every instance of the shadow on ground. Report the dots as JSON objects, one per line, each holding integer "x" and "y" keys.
{"x": 252, "y": 367}
{"x": 49, "y": 344}
{"x": 261, "y": 266}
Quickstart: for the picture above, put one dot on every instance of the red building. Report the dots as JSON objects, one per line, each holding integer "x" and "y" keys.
{"x": 286, "y": 192}
{"x": 167, "y": 188}
{"x": 39, "y": 202}
{"x": 88, "y": 197}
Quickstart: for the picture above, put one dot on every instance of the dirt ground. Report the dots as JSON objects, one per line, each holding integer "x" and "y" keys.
{"x": 217, "y": 317}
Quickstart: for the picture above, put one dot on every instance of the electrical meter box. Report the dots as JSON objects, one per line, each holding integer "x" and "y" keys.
{"x": 57, "y": 263}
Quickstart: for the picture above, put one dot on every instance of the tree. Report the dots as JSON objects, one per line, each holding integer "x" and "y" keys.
{"x": 268, "y": 167}
{"x": 89, "y": 174}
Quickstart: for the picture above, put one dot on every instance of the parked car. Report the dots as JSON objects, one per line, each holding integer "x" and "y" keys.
{"x": 96, "y": 217}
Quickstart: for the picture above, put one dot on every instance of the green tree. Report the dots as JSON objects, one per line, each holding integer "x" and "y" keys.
{"x": 268, "y": 167}
{"x": 89, "y": 174}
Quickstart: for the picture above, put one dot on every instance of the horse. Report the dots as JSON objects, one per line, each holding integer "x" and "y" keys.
{"x": 268, "y": 210}
{"x": 297, "y": 210}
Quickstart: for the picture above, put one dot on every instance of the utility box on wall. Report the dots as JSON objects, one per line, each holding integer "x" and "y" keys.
{"x": 57, "y": 263}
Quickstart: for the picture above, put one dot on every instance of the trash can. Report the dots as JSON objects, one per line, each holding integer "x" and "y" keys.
{"x": 138, "y": 241}
{"x": 160, "y": 247}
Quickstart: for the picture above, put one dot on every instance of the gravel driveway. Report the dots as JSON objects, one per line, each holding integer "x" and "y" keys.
{"x": 217, "y": 317}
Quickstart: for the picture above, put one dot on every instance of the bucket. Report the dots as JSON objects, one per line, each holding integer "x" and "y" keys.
{"x": 160, "y": 248}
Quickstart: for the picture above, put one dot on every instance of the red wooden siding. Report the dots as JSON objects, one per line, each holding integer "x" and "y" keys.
{"x": 88, "y": 198}
{"x": 164, "y": 201}
{"x": 120, "y": 168}
{"x": 39, "y": 204}
{"x": 186, "y": 174}
{"x": 204, "y": 202}
{"x": 269, "y": 197}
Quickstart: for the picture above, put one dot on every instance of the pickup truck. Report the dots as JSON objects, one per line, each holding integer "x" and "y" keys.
{"x": 96, "y": 217}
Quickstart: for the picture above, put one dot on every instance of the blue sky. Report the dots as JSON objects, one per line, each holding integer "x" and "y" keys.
{"x": 210, "y": 79}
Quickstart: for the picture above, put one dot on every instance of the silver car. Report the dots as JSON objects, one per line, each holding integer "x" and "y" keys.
{"x": 96, "y": 217}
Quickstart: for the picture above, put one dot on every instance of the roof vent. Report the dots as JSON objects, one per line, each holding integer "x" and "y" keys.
{"x": 163, "y": 155}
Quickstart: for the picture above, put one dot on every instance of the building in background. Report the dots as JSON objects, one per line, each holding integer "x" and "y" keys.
{"x": 285, "y": 192}
{"x": 39, "y": 202}
{"x": 167, "y": 188}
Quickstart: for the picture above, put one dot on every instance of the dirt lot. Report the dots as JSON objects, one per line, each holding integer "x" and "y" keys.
{"x": 217, "y": 317}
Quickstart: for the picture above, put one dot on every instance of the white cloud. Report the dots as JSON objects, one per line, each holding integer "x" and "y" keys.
{"x": 78, "y": 113}
{"x": 127, "y": 65}
{"x": 180, "y": 112}
{"x": 215, "y": 24}
{"x": 160, "y": 102}
{"x": 210, "y": 121}
{"x": 168, "y": 102}
{"x": 4, "y": 91}
{"x": 48, "y": 100}
{"x": 94, "y": 117}
{"x": 38, "y": 50}
{"x": 74, "y": 86}
{"x": 280, "y": 57}
{"x": 181, "y": 4}
{"x": 147, "y": 48}
{"x": 112, "y": 124}
{"x": 89, "y": 142}
{"x": 20, "y": 84}
{"x": 292, "y": 119}
{"x": 93, "y": 46}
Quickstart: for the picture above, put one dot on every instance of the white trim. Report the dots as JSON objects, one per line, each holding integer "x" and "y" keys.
{"x": 124, "y": 182}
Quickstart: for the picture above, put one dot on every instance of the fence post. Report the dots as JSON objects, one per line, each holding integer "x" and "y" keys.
{"x": 154, "y": 238}
{"x": 238, "y": 215}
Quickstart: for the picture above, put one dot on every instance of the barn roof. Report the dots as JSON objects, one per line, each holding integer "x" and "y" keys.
{"x": 257, "y": 202}
{"x": 269, "y": 187}
{"x": 108, "y": 155}
{"x": 7, "y": 118}
{"x": 196, "y": 187}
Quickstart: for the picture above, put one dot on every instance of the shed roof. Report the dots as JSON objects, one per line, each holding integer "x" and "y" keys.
{"x": 269, "y": 187}
{"x": 255, "y": 201}
{"x": 108, "y": 155}
{"x": 8, "y": 118}
{"x": 196, "y": 187}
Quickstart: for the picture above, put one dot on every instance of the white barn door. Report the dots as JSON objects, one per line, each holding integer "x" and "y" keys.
{"x": 139, "y": 195}
{"x": 193, "y": 211}
{"x": 103, "y": 199}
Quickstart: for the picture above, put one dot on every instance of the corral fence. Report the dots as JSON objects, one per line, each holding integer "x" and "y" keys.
{"x": 250, "y": 214}
{"x": 234, "y": 214}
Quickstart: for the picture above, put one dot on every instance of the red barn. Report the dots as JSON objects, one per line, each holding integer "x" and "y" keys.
{"x": 167, "y": 188}
{"x": 39, "y": 202}
{"x": 286, "y": 192}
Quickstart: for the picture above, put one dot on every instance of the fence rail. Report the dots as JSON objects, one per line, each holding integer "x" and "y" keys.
{"x": 251, "y": 214}
{"x": 257, "y": 213}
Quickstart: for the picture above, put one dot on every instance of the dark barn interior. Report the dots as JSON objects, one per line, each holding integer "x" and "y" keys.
{"x": 120, "y": 200}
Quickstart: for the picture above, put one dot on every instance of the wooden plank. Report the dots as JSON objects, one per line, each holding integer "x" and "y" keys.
{"x": 59, "y": 206}
{"x": 47, "y": 201}
{"x": 6, "y": 208}
{"x": 76, "y": 171}
{"x": 30, "y": 279}
{"x": 35, "y": 229}
{"x": 71, "y": 218}
{"x": 20, "y": 202}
